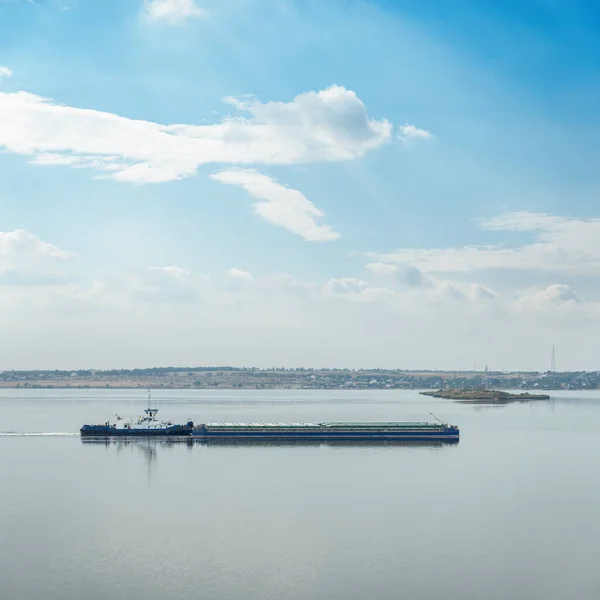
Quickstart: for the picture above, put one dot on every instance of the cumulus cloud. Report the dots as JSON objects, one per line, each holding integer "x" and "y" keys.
{"x": 5, "y": 72}
{"x": 561, "y": 244}
{"x": 449, "y": 291}
{"x": 555, "y": 294}
{"x": 407, "y": 277}
{"x": 411, "y": 132}
{"x": 25, "y": 258}
{"x": 281, "y": 205}
{"x": 481, "y": 292}
{"x": 344, "y": 285}
{"x": 171, "y": 315}
{"x": 172, "y": 273}
{"x": 240, "y": 275}
{"x": 555, "y": 304}
{"x": 353, "y": 290}
{"x": 328, "y": 125}
{"x": 168, "y": 284}
{"x": 401, "y": 274}
{"x": 172, "y": 11}
{"x": 384, "y": 269}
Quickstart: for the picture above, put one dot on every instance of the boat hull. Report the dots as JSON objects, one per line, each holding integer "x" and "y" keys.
{"x": 108, "y": 431}
{"x": 304, "y": 442}
{"x": 325, "y": 435}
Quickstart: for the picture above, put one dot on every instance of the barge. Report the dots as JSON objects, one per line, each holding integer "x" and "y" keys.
{"x": 339, "y": 430}
{"x": 342, "y": 431}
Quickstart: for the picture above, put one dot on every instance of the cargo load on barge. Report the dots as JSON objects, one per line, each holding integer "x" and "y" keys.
{"x": 347, "y": 431}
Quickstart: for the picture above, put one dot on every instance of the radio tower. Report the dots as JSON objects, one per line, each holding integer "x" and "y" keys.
{"x": 553, "y": 361}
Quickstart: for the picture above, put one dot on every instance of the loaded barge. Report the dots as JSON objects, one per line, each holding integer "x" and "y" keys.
{"x": 346, "y": 431}
{"x": 149, "y": 425}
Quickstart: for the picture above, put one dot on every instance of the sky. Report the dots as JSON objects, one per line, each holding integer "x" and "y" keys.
{"x": 288, "y": 183}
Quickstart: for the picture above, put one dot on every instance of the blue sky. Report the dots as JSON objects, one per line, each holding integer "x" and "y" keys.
{"x": 444, "y": 189}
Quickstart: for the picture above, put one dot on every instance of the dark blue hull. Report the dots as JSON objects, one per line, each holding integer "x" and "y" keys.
{"x": 304, "y": 442}
{"x": 325, "y": 436}
{"x": 108, "y": 431}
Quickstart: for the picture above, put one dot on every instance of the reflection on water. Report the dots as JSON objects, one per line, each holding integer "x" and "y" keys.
{"x": 149, "y": 446}
{"x": 478, "y": 404}
{"x": 157, "y": 442}
{"x": 137, "y": 441}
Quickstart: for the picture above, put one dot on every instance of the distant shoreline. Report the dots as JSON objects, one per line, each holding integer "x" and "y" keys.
{"x": 231, "y": 378}
{"x": 143, "y": 386}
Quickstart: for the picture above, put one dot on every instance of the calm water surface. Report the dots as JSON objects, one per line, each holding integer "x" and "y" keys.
{"x": 512, "y": 511}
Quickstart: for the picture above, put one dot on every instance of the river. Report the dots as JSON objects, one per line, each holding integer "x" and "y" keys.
{"x": 509, "y": 512}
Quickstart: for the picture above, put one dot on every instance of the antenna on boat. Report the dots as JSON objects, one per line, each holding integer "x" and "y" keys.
{"x": 442, "y": 422}
{"x": 150, "y": 411}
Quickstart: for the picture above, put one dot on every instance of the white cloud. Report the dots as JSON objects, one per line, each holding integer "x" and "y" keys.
{"x": 172, "y": 11}
{"x": 449, "y": 291}
{"x": 385, "y": 269}
{"x": 401, "y": 274}
{"x": 170, "y": 315}
{"x": 168, "y": 284}
{"x": 329, "y": 125}
{"x": 5, "y": 72}
{"x": 172, "y": 272}
{"x": 344, "y": 285}
{"x": 241, "y": 275}
{"x": 559, "y": 306}
{"x": 481, "y": 292}
{"x": 281, "y": 205}
{"x": 526, "y": 221}
{"x": 25, "y": 258}
{"x": 555, "y": 294}
{"x": 409, "y": 132}
{"x": 561, "y": 244}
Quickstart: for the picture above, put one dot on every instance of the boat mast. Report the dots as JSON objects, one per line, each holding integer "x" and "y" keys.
{"x": 151, "y": 412}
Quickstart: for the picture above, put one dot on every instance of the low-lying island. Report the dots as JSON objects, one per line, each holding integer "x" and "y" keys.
{"x": 480, "y": 395}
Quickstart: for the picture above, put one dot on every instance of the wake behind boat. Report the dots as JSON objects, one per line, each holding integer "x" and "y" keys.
{"x": 145, "y": 425}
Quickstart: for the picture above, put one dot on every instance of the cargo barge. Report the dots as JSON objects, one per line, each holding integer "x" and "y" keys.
{"x": 148, "y": 425}
{"x": 339, "y": 430}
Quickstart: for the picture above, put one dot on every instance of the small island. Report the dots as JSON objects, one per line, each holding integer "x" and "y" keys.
{"x": 484, "y": 395}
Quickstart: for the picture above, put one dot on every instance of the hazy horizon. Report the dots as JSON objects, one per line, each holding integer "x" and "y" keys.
{"x": 292, "y": 368}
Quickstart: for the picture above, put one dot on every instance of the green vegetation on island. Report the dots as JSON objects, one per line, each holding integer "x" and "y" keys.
{"x": 478, "y": 395}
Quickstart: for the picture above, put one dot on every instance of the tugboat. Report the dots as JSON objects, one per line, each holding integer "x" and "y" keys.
{"x": 145, "y": 425}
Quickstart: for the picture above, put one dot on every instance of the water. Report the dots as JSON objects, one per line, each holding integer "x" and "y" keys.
{"x": 509, "y": 512}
